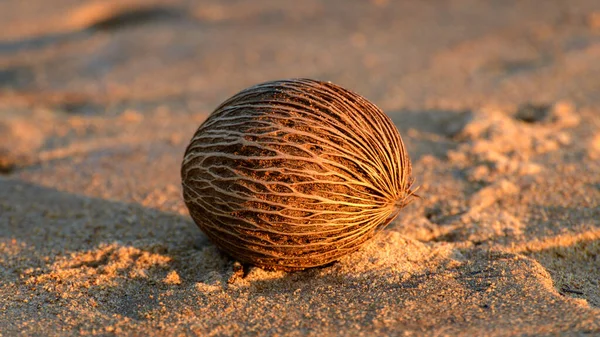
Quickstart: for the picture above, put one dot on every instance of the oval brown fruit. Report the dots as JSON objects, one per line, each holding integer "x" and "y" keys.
{"x": 294, "y": 174}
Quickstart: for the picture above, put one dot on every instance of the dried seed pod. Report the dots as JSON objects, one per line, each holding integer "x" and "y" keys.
{"x": 295, "y": 173}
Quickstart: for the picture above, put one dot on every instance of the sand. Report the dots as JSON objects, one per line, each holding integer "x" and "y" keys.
{"x": 497, "y": 101}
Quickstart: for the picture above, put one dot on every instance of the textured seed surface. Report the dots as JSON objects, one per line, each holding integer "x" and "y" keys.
{"x": 295, "y": 173}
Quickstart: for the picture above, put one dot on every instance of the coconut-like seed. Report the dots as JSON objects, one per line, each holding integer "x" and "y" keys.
{"x": 294, "y": 174}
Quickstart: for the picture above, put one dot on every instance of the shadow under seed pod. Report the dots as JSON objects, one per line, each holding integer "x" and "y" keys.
{"x": 294, "y": 174}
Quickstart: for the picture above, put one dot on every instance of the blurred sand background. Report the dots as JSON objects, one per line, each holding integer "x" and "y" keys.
{"x": 498, "y": 103}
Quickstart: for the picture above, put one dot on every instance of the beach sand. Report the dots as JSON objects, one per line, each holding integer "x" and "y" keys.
{"x": 498, "y": 103}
